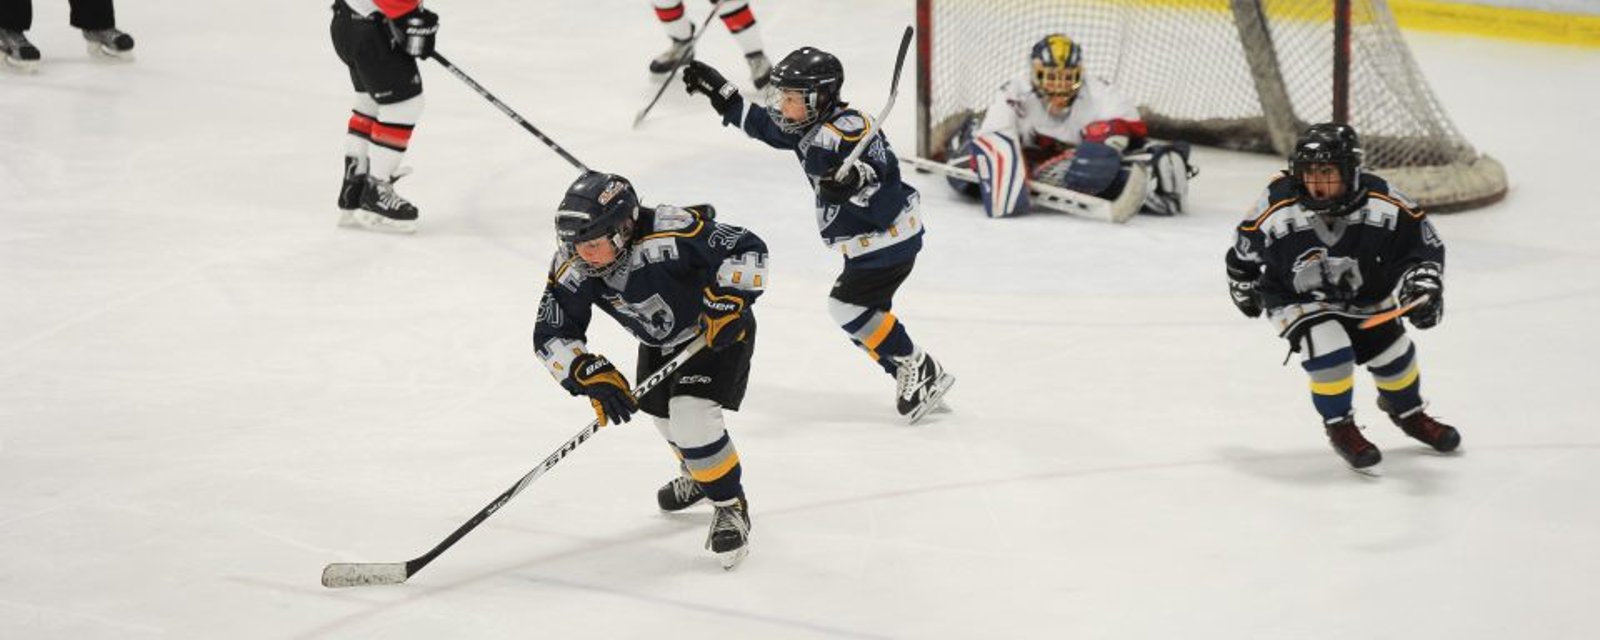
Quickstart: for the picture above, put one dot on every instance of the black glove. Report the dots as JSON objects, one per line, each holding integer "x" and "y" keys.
{"x": 594, "y": 376}
{"x": 722, "y": 318}
{"x": 699, "y": 77}
{"x": 1424, "y": 279}
{"x": 841, "y": 190}
{"x": 1242, "y": 290}
{"x": 414, "y": 32}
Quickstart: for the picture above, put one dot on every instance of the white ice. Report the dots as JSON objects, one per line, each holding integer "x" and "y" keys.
{"x": 208, "y": 391}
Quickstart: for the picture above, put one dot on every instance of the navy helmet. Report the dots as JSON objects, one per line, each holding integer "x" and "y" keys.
{"x": 817, "y": 75}
{"x": 598, "y": 205}
{"x": 1328, "y": 143}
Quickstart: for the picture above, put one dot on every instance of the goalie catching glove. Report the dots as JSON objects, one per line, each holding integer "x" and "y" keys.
{"x": 722, "y": 319}
{"x": 594, "y": 376}
{"x": 1424, "y": 279}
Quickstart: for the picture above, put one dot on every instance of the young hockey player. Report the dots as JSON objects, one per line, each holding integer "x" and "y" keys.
{"x": 736, "y": 16}
{"x": 96, "y": 18}
{"x": 668, "y": 275}
{"x": 870, "y": 216}
{"x": 380, "y": 41}
{"x": 1326, "y": 246}
{"x": 1065, "y": 129}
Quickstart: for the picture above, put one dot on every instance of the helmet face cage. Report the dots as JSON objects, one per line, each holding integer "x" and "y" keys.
{"x": 816, "y": 75}
{"x": 1328, "y": 144}
{"x": 1057, "y": 64}
{"x": 598, "y": 205}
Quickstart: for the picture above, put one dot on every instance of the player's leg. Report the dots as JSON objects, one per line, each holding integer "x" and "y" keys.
{"x": 860, "y": 303}
{"x": 1169, "y": 174}
{"x": 16, "y": 17}
{"x": 741, "y": 22}
{"x": 391, "y": 78}
{"x": 1391, "y": 357}
{"x": 1329, "y": 359}
{"x": 98, "y": 20}
{"x": 1002, "y": 174}
{"x": 679, "y": 29}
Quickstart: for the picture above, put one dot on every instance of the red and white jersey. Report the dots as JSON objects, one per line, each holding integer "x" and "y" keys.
{"x": 1020, "y": 113}
{"x": 390, "y": 8}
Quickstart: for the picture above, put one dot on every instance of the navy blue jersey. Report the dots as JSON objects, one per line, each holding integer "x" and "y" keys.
{"x": 676, "y": 254}
{"x": 877, "y": 228}
{"x": 1355, "y": 259}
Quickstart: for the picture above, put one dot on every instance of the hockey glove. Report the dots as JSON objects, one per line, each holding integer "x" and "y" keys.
{"x": 722, "y": 318}
{"x": 699, "y": 77}
{"x": 594, "y": 376}
{"x": 842, "y": 190}
{"x": 1423, "y": 279}
{"x": 413, "y": 32}
{"x": 1242, "y": 290}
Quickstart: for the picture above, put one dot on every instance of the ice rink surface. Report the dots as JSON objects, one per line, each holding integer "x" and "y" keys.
{"x": 207, "y": 391}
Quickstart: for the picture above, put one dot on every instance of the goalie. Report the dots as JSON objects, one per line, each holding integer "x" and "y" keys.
{"x": 1061, "y": 129}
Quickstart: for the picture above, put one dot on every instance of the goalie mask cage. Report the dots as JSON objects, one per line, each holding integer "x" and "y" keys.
{"x": 1239, "y": 74}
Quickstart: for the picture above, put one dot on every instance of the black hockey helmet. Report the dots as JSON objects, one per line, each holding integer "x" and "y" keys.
{"x": 817, "y": 75}
{"x": 598, "y": 205}
{"x": 1328, "y": 143}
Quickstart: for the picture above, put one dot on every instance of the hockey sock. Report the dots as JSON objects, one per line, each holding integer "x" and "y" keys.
{"x": 1332, "y": 377}
{"x": 741, "y": 22}
{"x": 1397, "y": 376}
{"x": 881, "y": 335}
{"x": 391, "y": 135}
{"x": 696, "y": 432}
{"x": 362, "y": 118}
{"x": 670, "y": 13}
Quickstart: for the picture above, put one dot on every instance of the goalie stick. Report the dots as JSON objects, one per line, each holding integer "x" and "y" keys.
{"x": 507, "y": 110}
{"x": 357, "y": 574}
{"x": 894, "y": 88}
{"x": 1056, "y": 198}
{"x": 715, "y": 6}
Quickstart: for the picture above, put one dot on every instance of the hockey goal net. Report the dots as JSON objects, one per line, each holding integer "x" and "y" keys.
{"x": 1239, "y": 74}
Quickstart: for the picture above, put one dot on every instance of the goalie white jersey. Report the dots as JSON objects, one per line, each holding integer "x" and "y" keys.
{"x": 1020, "y": 113}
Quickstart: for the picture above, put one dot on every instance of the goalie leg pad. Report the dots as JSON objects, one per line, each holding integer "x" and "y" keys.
{"x": 1002, "y": 174}
{"x": 1094, "y": 170}
{"x": 1170, "y": 164}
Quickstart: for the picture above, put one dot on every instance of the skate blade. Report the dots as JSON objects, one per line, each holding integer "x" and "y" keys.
{"x": 25, "y": 67}
{"x": 731, "y": 559}
{"x": 100, "y": 52}
{"x": 935, "y": 398}
{"x": 1373, "y": 471}
{"x": 369, "y": 221}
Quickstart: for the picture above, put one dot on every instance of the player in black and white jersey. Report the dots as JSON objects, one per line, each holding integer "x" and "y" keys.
{"x": 869, "y": 216}
{"x": 380, "y": 41}
{"x": 1327, "y": 245}
{"x": 667, "y": 274}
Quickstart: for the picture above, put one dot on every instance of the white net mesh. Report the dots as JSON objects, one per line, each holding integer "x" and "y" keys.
{"x": 1241, "y": 74}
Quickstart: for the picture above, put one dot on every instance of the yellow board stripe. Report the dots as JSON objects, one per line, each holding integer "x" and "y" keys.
{"x": 1498, "y": 22}
{"x": 1333, "y": 388}
{"x": 712, "y": 474}
{"x": 1405, "y": 381}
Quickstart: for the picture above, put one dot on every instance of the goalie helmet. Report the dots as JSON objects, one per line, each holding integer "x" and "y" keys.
{"x": 1057, "y": 64}
{"x": 598, "y": 205}
{"x": 816, "y": 75}
{"x": 1331, "y": 144}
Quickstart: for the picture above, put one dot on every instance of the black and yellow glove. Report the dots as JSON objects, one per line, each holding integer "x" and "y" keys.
{"x": 722, "y": 318}
{"x": 594, "y": 376}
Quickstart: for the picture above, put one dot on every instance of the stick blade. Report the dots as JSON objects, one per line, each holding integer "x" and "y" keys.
{"x": 362, "y": 574}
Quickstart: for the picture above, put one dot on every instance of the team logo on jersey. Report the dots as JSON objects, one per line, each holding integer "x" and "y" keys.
{"x": 1324, "y": 276}
{"x": 612, "y": 189}
{"x": 653, "y": 315}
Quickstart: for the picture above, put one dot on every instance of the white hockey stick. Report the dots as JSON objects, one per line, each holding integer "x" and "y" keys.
{"x": 894, "y": 88}
{"x": 1058, "y": 199}
{"x": 689, "y": 55}
{"x": 358, "y": 574}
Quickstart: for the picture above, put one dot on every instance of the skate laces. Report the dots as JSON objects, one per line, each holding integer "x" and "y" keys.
{"x": 908, "y": 376}
{"x": 1347, "y": 435}
{"x": 730, "y": 518}
{"x": 1424, "y": 426}
{"x": 685, "y": 488}
{"x": 387, "y": 196}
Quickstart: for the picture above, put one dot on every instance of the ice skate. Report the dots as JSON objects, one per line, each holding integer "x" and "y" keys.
{"x": 672, "y": 57}
{"x": 760, "y": 69}
{"x": 350, "y": 190}
{"x": 1425, "y": 429}
{"x": 730, "y": 532}
{"x": 383, "y": 210}
{"x": 921, "y": 384}
{"x": 18, "y": 53}
{"x": 109, "y": 44}
{"x": 680, "y": 493}
{"x": 1347, "y": 441}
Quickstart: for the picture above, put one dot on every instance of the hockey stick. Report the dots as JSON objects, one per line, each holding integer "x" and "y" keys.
{"x": 507, "y": 110}
{"x": 357, "y": 574}
{"x": 688, "y": 55}
{"x": 894, "y": 88}
{"x": 1048, "y": 196}
{"x": 1394, "y": 313}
